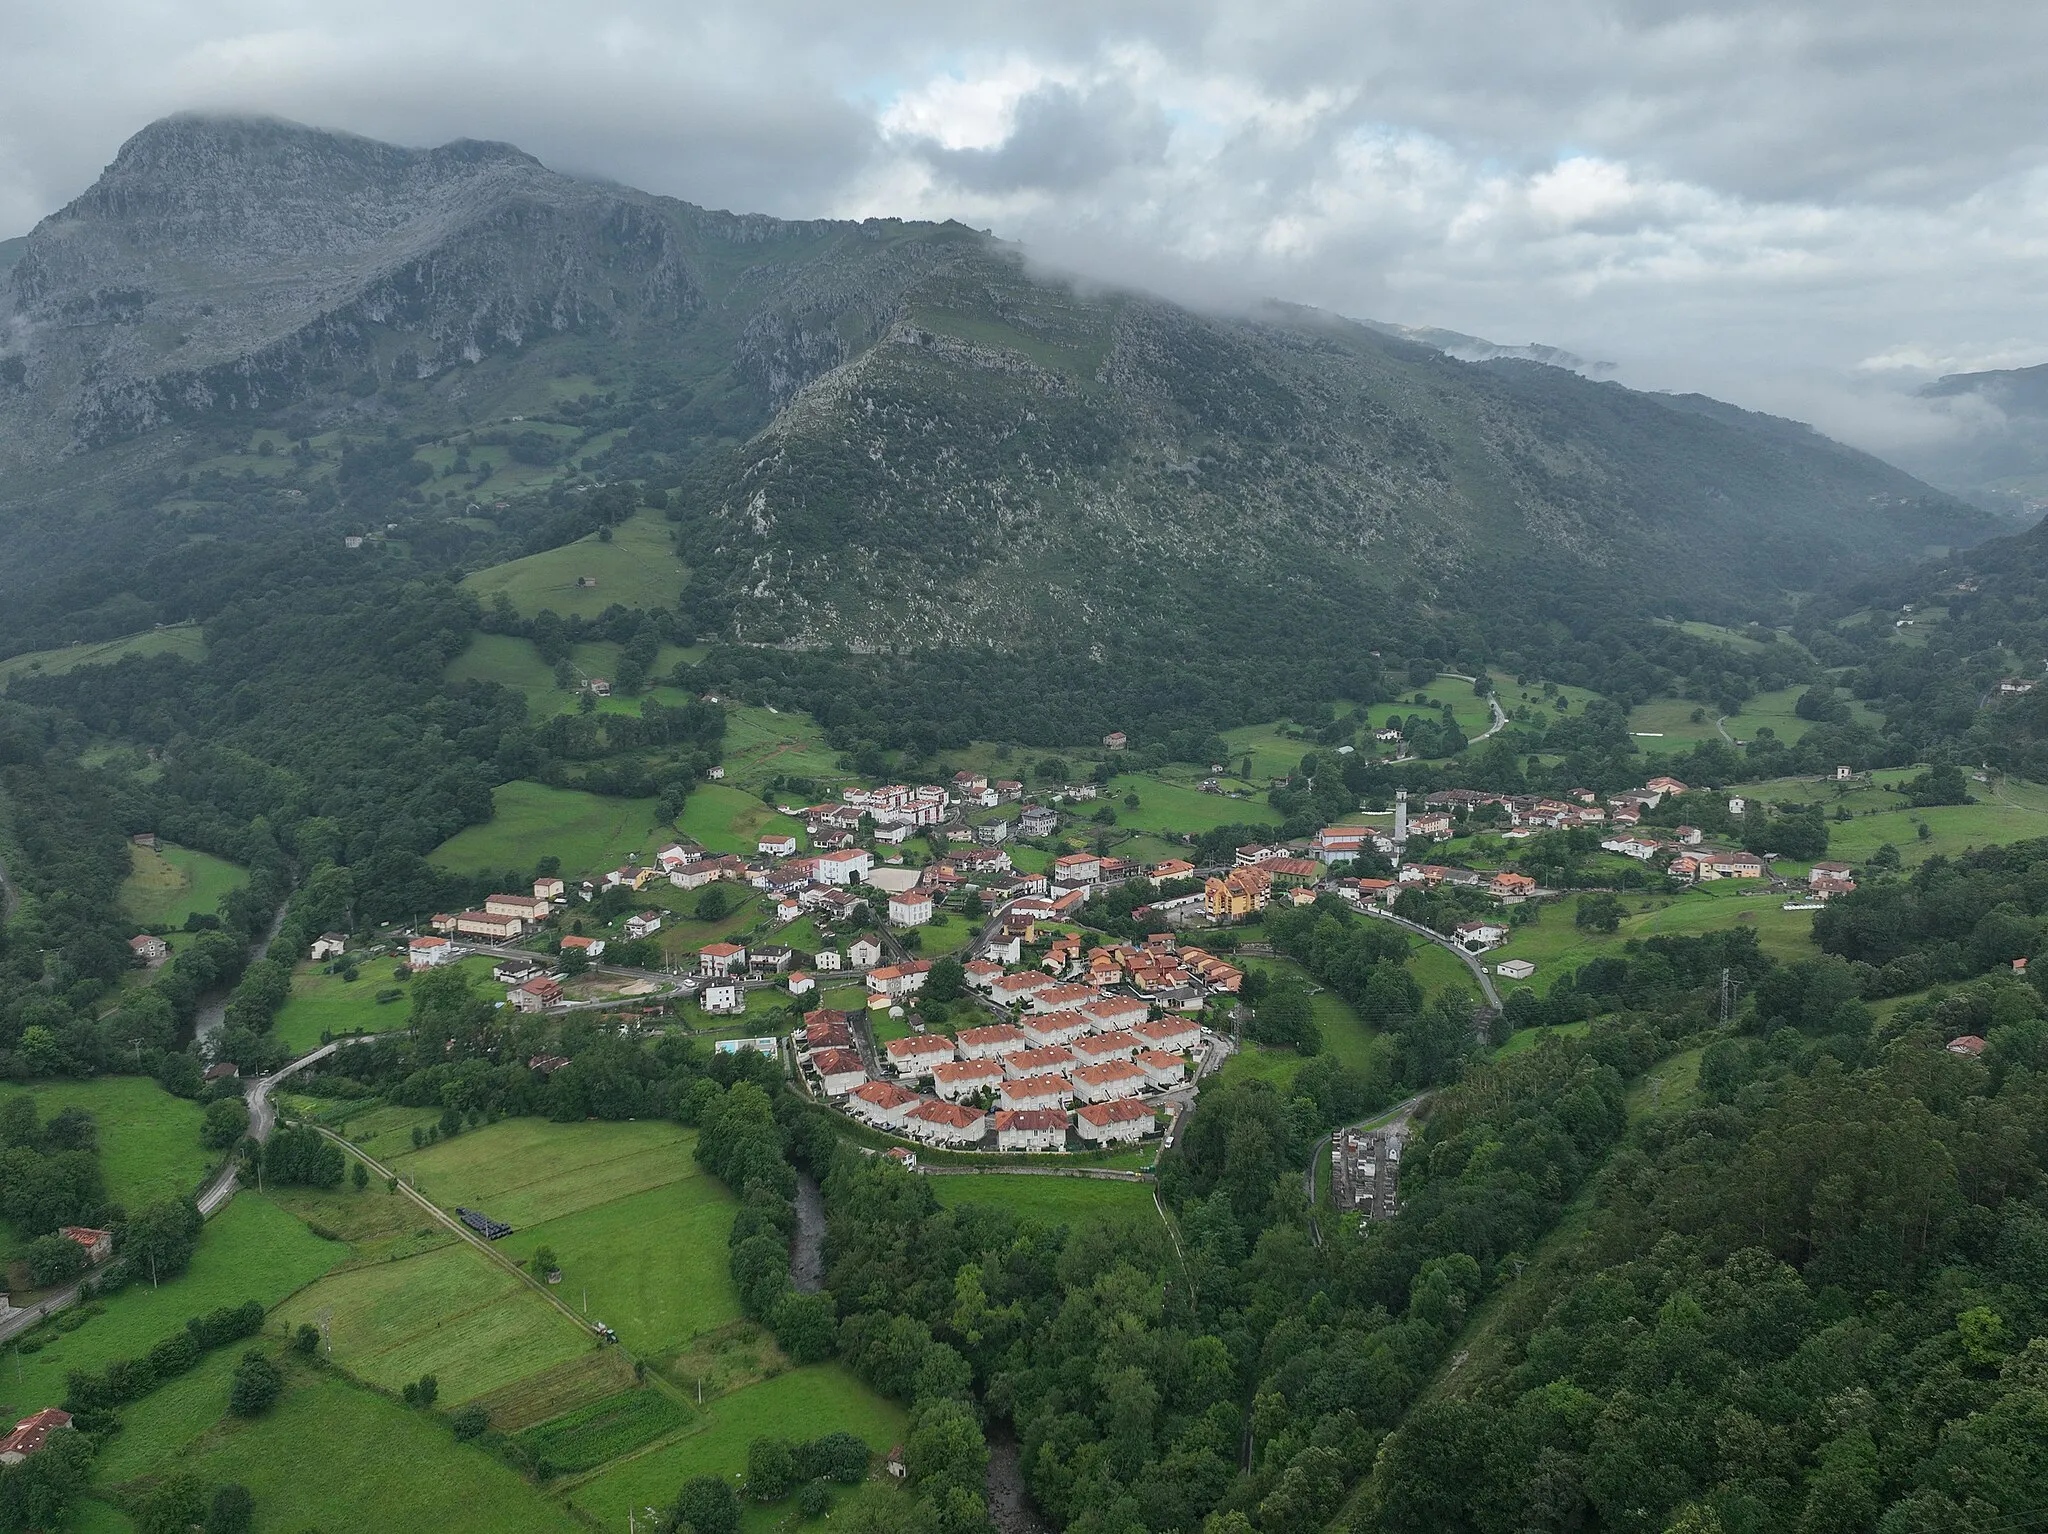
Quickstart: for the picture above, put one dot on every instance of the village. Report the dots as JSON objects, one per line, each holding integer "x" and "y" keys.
{"x": 1074, "y": 1044}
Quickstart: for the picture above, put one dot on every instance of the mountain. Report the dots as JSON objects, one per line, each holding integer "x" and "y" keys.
{"x": 1998, "y": 456}
{"x": 1455, "y": 343}
{"x": 884, "y": 433}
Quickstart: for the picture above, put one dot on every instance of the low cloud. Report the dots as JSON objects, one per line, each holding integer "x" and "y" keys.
{"x": 1810, "y": 206}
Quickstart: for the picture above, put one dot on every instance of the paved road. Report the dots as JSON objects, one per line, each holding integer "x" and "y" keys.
{"x": 212, "y": 1198}
{"x": 1471, "y": 962}
{"x": 1500, "y": 715}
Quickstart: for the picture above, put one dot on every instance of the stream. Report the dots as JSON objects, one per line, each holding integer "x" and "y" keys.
{"x": 807, "y": 1255}
{"x": 214, "y": 1010}
{"x": 1009, "y": 1504}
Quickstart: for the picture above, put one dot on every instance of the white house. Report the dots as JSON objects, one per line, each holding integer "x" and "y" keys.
{"x": 1481, "y": 934}
{"x": 549, "y": 889}
{"x": 1113, "y": 1123}
{"x": 946, "y": 1124}
{"x": 721, "y": 959}
{"x": 991, "y": 1042}
{"x": 1162, "y": 1069}
{"x": 899, "y": 980}
{"x": 839, "y": 1070}
{"x": 912, "y": 908}
{"x": 1108, "y": 1081}
{"x": 1120, "y": 1045}
{"x": 849, "y": 865}
{"x": 882, "y": 1103}
{"x": 801, "y": 982}
{"x": 328, "y": 945}
{"x": 1056, "y": 1027}
{"x": 914, "y": 1057}
{"x": 722, "y": 996}
{"x": 825, "y": 958}
{"x": 1036, "y": 1092}
{"x": 863, "y": 953}
{"x": 1044, "y": 1060}
{"x": 427, "y": 952}
{"x": 776, "y": 844}
{"x": 1171, "y": 1033}
{"x": 642, "y": 924}
{"x": 1514, "y": 969}
{"x": 957, "y": 1080}
{"x": 1116, "y": 1012}
{"x": 1031, "y": 1129}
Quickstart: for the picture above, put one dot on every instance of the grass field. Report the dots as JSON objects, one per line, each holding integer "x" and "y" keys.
{"x": 637, "y": 1229}
{"x": 637, "y": 568}
{"x": 1436, "y": 968}
{"x": 323, "y": 1003}
{"x": 605, "y": 1429}
{"x": 251, "y": 1250}
{"x": 1557, "y": 947}
{"x": 588, "y": 832}
{"x": 1164, "y": 806}
{"x": 1050, "y": 1200}
{"x": 763, "y": 743}
{"x": 1345, "y": 1034}
{"x": 728, "y": 819}
{"x": 1669, "y": 1087}
{"x": 334, "y": 1456}
{"x": 183, "y": 639}
{"x": 652, "y": 1265}
{"x": 1670, "y": 725}
{"x": 514, "y": 662}
{"x": 164, "y": 887}
{"x": 149, "y": 1140}
{"x": 803, "y": 1403}
{"x": 1532, "y": 1038}
{"x": 446, "y": 1312}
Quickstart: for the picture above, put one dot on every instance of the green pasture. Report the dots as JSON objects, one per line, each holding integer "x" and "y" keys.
{"x": 1671, "y": 719}
{"x": 801, "y": 1403}
{"x": 149, "y": 1140}
{"x": 168, "y": 1418}
{"x": 1437, "y": 969}
{"x": 251, "y": 1250}
{"x": 1532, "y": 1038}
{"x": 651, "y": 1265}
{"x": 1050, "y": 1200}
{"x": 331, "y": 1455}
{"x": 324, "y": 1003}
{"x": 1165, "y": 806}
{"x": 638, "y": 568}
{"x": 1345, "y": 1034}
{"x": 1556, "y": 947}
{"x": 762, "y": 744}
{"x": 1671, "y": 1086}
{"x": 588, "y": 832}
{"x": 181, "y": 639}
{"x": 727, "y": 819}
{"x": 1473, "y": 713}
{"x": 525, "y": 1171}
{"x": 605, "y": 1429}
{"x": 513, "y": 662}
{"x": 165, "y": 886}
{"x": 448, "y": 1312}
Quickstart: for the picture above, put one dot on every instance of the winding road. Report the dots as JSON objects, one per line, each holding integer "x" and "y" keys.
{"x": 1470, "y": 961}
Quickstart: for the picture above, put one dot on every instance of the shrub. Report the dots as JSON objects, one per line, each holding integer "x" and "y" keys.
{"x": 469, "y": 1423}
{"x": 815, "y": 1499}
{"x": 257, "y": 1384}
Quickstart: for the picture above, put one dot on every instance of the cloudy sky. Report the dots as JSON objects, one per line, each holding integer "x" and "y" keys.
{"x": 1806, "y": 206}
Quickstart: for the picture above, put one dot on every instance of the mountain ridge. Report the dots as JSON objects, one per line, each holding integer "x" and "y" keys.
{"x": 877, "y": 432}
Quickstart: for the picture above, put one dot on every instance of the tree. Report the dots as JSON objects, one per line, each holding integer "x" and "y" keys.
{"x": 55, "y": 1260}
{"x": 225, "y": 1123}
{"x": 713, "y": 903}
{"x": 706, "y": 1505}
{"x": 174, "y": 1505}
{"x": 158, "y": 1240}
{"x": 360, "y": 1176}
{"x": 421, "y": 1392}
{"x": 1598, "y": 912}
{"x": 543, "y": 1261}
{"x": 257, "y": 1383}
{"x": 946, "y": 980}
{"x": 805, "y": 1326}
{"x": 771, "y": 1468}
{"x": 471, "y": 1422}
{"x": 233, "y": 1511}
{"x": 306, "y": 1340}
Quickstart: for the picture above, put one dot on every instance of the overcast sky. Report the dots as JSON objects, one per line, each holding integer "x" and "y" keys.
{"x": 1806, "y": 206}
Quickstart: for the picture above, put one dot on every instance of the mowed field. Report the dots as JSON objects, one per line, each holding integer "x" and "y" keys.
{"x": 637, "y": 568}
{"x": 251, "y": 1250}
{"x": 182, "y": 639}
{"x": 166, "y": 885}
{"x": 1556, "y": 946}
{"x": 323, "y": 1003}
{"x": 802, "y": 1403}
{"x": 530, "y": 821}
{"x": 636, "y": 1227}
{"x": 1050, "y": 1200}
{"x": 1164, "y": 806}
{"x": 765, "y": 743}
{"x": 728, "y": 819}
{"x": 513, "y": 662}
{"x": 331, "y": 1455}
{"x": 149, "y": 1140}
